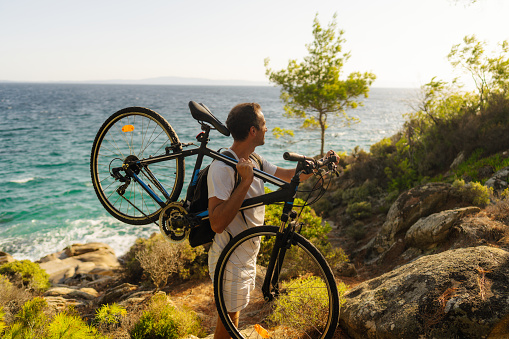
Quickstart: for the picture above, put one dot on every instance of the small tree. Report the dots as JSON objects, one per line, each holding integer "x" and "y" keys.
{"x": 312, "y": 89}
{"x": 489, "y": 72}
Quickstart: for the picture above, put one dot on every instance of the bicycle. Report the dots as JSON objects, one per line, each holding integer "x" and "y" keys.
{"x": 137, "y": 168}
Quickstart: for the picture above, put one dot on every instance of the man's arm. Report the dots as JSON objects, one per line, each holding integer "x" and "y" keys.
{"x": 222, "y": 212}
{"x": 287, "y": 174}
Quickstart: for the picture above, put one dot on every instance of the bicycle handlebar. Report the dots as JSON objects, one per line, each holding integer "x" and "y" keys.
{"x": 307, "y": 165}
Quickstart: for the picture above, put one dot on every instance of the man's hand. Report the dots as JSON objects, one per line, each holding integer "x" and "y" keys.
{"x": 245, "y": 170}
{"x": 331, "y": 152}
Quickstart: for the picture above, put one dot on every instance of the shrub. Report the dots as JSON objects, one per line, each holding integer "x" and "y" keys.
{"x": 12, "y": 298}
{"x": 313, "y": 229}
{"x": 68, "y": 326}
{"x": 26, "y": 274}
{"x": 302, "y": 307}
{"x": 161, "y": 259}
{"x": 164, "y": 321}
{"x": 359, "y": 210}
{"x": 473, "y": 192}
{"x": 110, "y": 315}
{"x": 2, "y": 324}
{"x": 356, "y": 231}
{"x": 31, "y": 321}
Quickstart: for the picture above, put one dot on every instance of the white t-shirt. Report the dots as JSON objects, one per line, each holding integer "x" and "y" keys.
{"x": 221, "y": 182}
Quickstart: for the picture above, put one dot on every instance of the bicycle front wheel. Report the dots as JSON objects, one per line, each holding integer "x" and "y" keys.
{"x": 303, "y": 302}
{"x": 132, "y": 134}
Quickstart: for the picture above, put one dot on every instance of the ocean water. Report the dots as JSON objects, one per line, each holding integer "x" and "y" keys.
{"x": 47, "y": 201}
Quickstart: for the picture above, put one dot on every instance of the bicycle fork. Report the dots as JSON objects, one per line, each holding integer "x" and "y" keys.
{"x": 270, "y": 287}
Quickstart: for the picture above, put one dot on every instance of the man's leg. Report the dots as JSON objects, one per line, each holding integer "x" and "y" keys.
{"x": 221, "y": 332}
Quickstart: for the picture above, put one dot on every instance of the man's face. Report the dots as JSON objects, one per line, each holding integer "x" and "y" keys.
{"x": 262, "y": 129}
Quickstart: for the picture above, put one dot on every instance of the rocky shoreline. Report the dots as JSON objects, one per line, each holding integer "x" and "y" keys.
{"x": 435, "y": 269}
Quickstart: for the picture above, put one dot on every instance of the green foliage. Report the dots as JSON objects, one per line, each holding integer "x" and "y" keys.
{"x": 359, "y": 210}
{"x": 162, "y": 259}
{"x": 489, "y": 72}
{"x": 473, "y": 192}
{"x": 475, "y": 163}
{"x": 313, "y": 229}
{"x": 68, "y": 326}
{"x": 303, "y": 304}
{"x": 30, "y": 321}
{"x": 26, "y": 274}
{"x": 110, "y": 314}
{"x": 164, "y": 321}
{"x": 2, "y": 324}
{"x": 312, "y": 90}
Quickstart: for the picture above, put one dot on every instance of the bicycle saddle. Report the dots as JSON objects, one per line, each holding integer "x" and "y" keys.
{"x": 201, "y": 113}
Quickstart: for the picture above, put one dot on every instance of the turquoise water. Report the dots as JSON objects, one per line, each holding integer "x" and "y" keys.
{"x": 46, "y": 197}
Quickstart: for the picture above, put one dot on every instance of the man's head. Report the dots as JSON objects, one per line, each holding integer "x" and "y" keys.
{"x": 243, "y": 118}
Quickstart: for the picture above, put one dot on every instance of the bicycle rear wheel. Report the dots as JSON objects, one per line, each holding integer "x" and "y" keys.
{"x": 132, "y": 134}
{"x": 303, "y": 304}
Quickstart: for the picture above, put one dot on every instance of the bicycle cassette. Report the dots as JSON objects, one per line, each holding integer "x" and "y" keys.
{"x": 173, "y": 223}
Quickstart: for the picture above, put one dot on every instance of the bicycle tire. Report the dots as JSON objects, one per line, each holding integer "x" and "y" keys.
{"x": 306, "y": 285}
{"x": 145, "y": 134}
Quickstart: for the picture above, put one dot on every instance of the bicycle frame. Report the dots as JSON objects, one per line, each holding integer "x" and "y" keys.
{"x": 286, "y": 194}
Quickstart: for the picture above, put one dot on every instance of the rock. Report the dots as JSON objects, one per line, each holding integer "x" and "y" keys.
{"x": 459, "y": 159}
{"x": 346, "y": 269}
{"x": 459, "y": 293}
{"x": 410, "y": 206}
{"x": 94, "y": 259}
{"x": 72, "y": 293}
{"x": 117, "y": 293}
{"x": 499, "y": 181}
{"x": 5, "y": 258}
{"x": 79, "y": 249}
{"x": 434, "y": 229}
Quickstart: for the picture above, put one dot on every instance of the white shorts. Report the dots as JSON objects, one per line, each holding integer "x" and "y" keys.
{"x": 240, "y": 274}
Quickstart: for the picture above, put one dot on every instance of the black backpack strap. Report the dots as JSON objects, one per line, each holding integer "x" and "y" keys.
{"x": 253, "y": 156}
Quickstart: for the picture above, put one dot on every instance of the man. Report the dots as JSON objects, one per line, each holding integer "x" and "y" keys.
{"x": 247, "y": 126}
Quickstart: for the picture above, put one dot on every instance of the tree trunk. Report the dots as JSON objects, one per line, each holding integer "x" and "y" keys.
{"x": 322, "y": 119}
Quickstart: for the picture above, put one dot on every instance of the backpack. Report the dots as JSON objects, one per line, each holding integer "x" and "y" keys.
{"x": 203, "y": 233}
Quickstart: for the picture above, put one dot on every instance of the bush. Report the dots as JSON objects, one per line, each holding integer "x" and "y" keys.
{"x": 302, "y": 308}
{"x": 110, "y": 315}
{"x": 313, "y": 229}
{"x": 473, "y": 192}
{"x": 162, "y": 259}
{"x": 164, "y": 321}
{"x": 359, "y": 210}
{"x": 26, "y": 274}
{"x": 68, "y": 326}
{"x": 12, "y": 298}
{"x": 31, "y": 321}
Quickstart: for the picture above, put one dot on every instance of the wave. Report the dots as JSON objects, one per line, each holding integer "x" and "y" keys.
{"x": 48, "y": 239}
{"x": 22, "y": 180}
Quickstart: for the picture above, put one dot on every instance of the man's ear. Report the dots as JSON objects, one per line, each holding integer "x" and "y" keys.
{"x": 252, "y": 130}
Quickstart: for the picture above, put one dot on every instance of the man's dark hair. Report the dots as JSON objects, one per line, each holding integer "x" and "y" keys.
{"x": 241, "y": 118}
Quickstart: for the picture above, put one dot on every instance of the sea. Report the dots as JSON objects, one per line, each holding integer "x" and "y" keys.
{"x": 47, "y": 201}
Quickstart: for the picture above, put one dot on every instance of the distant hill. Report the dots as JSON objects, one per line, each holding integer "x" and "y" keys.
{"x": 165, "y": 81}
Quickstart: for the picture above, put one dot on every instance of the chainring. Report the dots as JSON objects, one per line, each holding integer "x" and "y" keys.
{"x": 173, "y": 224}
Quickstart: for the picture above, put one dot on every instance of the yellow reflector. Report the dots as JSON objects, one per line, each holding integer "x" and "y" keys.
{"x": 261, "y": 331}
{"x": 128, "y": 128}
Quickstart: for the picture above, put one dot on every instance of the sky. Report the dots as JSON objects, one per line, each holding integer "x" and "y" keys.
{"x": 403, "y": 42}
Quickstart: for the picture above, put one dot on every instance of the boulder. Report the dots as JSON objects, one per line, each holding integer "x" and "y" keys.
{"x": 5, "y": 258}
{"x": 499, "y": 181}
{"x": 94, "y": 259}
{"x": 410, "y": 206}
{"x": 459, "y": 293}
{"x": 117, "y": 293}
{"x": 435, "y": 229}
{"x": 72, "y": 293}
